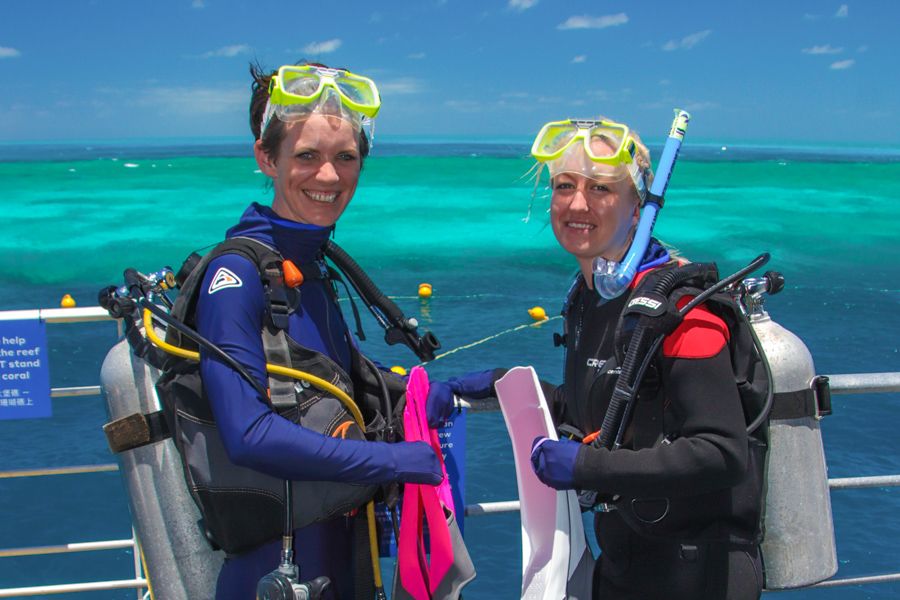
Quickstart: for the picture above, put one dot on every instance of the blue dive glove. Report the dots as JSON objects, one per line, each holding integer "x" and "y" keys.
{"x": 554, "y": 462}
{"x": 416, "y": 462}
{"x": 439, "y": 406}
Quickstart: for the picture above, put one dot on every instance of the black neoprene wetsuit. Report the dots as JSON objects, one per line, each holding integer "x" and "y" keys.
{"x": 687, "y": 509}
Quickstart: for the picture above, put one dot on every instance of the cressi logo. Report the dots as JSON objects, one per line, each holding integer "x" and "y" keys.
{"x": 644, "y": 301}
{"x": 595, "y": 363}
{"x": 223, "y": 279}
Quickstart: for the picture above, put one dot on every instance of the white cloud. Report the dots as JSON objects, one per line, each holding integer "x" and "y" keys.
{"x": 843, "y": 64}
{"x": 416, "y": 55}
{"x": 826, "y": 49}
{"x": 521, "y": 5}
{"x": 514, "y": 95}
{"x": 9, "y": 52}
{"x": 700, "y": 105}
{"x": 227, "y": 51}
{"x": 862, "y": 49}
{"x": 198, "y": 4}
{"x": 687, "y": 42}
{"x": 811, "y": 17}
{"x": 322, "y": 47}
{"x": 586, "y": 22}
{"x": 580, "y": 58}
{"x": 404, "y": 85}
{"x": 665, "y": 82}
{"x": 468, "y": 106}
{"x": 842, "y": 12}
{"x": 194, "y": 101}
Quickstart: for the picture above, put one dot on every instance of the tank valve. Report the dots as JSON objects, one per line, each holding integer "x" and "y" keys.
{"x": 750, "y": 294}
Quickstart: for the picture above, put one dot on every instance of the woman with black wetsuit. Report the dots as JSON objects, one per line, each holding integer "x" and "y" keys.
{"x": 677, "y": 506}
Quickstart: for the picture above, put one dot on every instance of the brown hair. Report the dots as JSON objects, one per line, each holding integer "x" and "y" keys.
{"x": 274, "y": 134}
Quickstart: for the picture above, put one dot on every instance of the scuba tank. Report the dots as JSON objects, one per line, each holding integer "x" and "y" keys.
{"x": 178, "y": 563}
{"x": 799, "y": 548}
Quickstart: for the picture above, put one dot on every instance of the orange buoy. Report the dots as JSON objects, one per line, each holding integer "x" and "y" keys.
{"x": 425, "y": 290}
{"x": 67, "y": 302}
{"x": 398, "y": 370}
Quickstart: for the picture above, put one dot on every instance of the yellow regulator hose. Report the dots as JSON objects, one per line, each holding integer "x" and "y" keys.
{"x": 318, "y": 382}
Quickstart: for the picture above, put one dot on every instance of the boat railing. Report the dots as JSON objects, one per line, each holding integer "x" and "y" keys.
{"x": 851, "y": 383}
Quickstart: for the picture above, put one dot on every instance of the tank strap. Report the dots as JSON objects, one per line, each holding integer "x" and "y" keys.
{"x": 811, "y": 402}
{"x": 134, "y": 431}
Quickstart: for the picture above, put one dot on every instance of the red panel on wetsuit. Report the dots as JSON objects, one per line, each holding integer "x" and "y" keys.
{"x": 701, "y": 334}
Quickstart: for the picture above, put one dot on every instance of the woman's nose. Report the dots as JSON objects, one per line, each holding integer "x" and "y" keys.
{"x": 327, "y": 173}
{"x": 579, "y": 200}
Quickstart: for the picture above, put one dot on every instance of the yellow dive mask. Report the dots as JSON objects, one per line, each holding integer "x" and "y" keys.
{"x": 296, "y": 91}
{"x": 605, "y": 148}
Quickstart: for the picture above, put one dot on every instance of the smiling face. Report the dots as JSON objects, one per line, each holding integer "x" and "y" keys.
{"x": 593, "y": 218}
{"x": 316, "y": 170}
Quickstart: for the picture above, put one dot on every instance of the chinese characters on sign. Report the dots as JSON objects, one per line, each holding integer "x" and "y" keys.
{"x": 24, "y": 372}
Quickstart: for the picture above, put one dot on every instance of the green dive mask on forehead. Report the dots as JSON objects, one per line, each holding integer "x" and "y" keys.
{"x": 296, "y": 91}
{"x": 606, "y": 152}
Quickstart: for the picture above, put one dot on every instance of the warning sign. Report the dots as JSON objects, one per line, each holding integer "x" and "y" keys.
{"x": 24, "y": 371}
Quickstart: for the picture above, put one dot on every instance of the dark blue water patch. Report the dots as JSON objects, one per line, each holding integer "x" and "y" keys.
{"x": 703, "y": 152}
{"x": 73, "y": 152}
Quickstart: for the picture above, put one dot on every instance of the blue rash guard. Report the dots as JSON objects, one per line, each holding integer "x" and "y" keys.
{"x": 230, "y": 313}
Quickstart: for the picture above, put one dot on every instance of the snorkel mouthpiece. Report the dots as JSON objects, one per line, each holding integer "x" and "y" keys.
{"x": 611, "y": 278}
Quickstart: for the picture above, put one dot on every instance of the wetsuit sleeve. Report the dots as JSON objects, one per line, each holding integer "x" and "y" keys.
{"x": 709, "y": 452}
{"x": 230, "y": 313}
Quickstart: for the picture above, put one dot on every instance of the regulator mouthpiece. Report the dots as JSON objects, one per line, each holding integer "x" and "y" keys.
{"x": 609, "y": 280}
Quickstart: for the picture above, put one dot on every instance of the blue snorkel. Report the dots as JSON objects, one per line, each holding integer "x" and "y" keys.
{"x": 611, "y": 278}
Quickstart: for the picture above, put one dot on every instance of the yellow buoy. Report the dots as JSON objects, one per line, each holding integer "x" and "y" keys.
{"x": 398, "y": 370}
{"x": 425, "y": 290}
{"x": 537, "y": 313}
{"x": 67, "y": 302}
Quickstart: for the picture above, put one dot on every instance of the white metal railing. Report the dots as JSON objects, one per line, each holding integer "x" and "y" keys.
{"x": 850, "y": 383}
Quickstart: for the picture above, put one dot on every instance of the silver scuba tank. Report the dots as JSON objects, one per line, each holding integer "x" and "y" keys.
{"x": 799, "y": 548}
{"x": 179, "y": 562}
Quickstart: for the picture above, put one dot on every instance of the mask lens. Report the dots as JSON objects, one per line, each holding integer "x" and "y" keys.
{"x": 606, "y": 141}
{"x": 357, "y": 90}
{"x": 556, "y": 136}
{"x": 302, "y": 84}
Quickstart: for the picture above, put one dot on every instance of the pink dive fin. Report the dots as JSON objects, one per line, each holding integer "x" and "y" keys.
{"x": 419, "y": 577}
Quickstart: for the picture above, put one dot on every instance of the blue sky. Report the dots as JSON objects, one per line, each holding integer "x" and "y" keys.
{"x": 765, "y": 71}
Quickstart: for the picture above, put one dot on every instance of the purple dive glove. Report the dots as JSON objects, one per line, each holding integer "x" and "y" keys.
{"x": 439, "y": 406}
{"x": 554, "y": 462}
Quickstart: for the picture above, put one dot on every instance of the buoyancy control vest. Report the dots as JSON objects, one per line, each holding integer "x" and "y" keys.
{"x": 732, "y": 515}
{"x": 241, "y": 507}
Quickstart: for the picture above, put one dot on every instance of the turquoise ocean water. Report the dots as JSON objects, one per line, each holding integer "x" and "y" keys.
{"x": 450, "y": 213}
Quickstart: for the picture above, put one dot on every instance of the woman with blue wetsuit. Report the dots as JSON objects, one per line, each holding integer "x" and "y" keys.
{"x": 677, "y": 506}
{"x": 309, "y": 123}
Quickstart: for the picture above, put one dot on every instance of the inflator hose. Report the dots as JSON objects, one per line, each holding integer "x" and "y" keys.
{"x": 625, "y": 389}
{"x": 363, "y": 284}
{"x": 631, "y": 391}
{"x": 397, "y": 327}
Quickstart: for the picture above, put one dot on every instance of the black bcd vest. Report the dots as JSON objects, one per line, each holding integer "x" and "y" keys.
{"x": 241, "y": 507}
{"x": 734, "y": 515}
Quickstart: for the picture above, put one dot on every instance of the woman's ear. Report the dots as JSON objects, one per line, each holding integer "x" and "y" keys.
{"x": 265, "y": 162}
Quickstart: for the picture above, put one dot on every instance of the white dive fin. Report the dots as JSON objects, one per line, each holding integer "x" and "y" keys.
{"x": 556, "y": 562}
